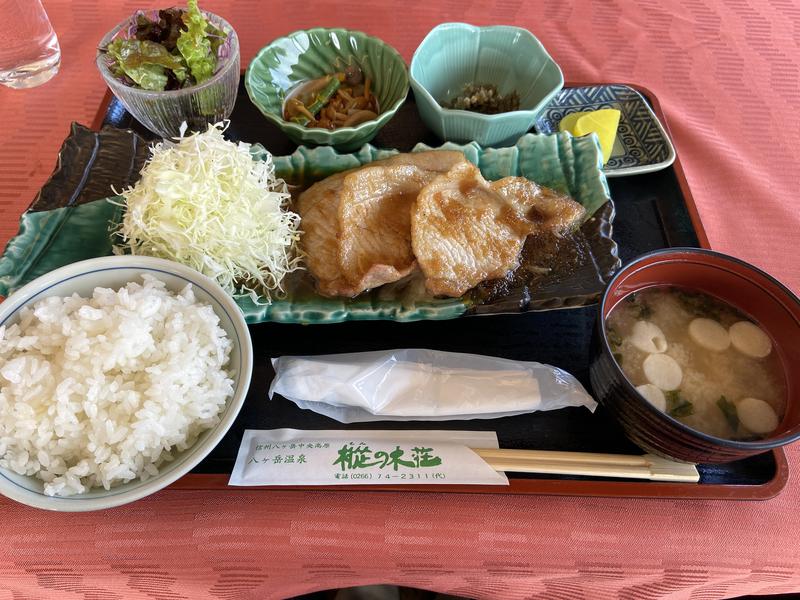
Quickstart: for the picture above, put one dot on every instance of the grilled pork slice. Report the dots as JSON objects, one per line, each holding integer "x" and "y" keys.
{"x": 549, "y": 211}
{"x": 464, "y": 232}
{"x": 375, "y": 223}
{"x": 356, "y": 224}
{"x": 318, "y": 207}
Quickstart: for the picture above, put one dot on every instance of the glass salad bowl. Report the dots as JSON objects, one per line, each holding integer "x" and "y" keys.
{"x": 163, "y": 112}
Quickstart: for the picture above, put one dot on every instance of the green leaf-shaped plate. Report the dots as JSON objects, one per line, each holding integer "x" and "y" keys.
{"x": 65, "y": 225}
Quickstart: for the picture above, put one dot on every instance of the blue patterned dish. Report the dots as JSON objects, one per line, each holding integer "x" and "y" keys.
{"x": 642, "y": 144}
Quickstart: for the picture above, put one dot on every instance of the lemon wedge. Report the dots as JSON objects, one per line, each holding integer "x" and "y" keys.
{"x": 603, "y": 122}
{"x": 568, "y": 122}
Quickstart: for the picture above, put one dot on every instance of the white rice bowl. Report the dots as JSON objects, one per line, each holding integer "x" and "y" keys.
{"x": 117, "y": 376}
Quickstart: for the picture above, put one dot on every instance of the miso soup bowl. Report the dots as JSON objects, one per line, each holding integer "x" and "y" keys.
{"x": 744, "y": 287}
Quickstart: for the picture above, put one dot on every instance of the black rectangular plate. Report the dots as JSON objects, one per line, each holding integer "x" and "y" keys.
{"x": 651, "y": 213}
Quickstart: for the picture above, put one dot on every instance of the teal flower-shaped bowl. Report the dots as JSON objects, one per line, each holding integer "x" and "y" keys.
{"x": 313, "y": 53}
{"x": 453, "y": 55}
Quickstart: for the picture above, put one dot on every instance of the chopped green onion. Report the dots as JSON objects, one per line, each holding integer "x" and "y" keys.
{"x": 677, "y": 405}
{"x": 728, "y": 409}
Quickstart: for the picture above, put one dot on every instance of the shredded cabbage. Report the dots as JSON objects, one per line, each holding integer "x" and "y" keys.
{"x": 204, "y": 202}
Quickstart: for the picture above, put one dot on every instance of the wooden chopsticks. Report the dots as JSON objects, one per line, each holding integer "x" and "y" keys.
{"x": 646, "y": 466}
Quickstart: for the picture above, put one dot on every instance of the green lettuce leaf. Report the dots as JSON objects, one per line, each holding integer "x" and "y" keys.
{"x": 194, "y": 45}
{"x": 145, "y": 62}
{"x": 216, "y": 37}
{"x": 182, "y": 73}
{"x": 148, "y": 75}
{"x": 138, "y": 52}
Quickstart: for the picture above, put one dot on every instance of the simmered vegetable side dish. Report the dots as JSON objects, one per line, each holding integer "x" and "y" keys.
{"x": 343, "y": 99}
{"x": 700, "y": 361}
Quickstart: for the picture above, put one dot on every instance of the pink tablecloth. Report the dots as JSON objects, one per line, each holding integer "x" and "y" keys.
{"x": 727, "y": 77}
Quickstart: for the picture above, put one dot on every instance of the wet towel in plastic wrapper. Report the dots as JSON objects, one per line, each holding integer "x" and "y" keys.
{"x": 417, "y": 384}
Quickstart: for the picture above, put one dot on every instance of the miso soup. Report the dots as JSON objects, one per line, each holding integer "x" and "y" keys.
{"x": 699, "y": 360}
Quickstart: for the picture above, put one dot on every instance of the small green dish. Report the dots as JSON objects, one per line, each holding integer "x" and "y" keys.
{"x": 453, "y": 55}
{"x": 313, "y": 53}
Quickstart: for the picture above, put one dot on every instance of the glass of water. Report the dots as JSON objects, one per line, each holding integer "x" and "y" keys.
{"x": 29, "y": 50}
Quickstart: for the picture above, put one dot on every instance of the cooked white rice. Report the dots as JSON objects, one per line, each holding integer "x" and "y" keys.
{"x": 100, "y": 391}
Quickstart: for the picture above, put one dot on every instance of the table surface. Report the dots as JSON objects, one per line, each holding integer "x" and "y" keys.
{"x": 726, "y": 73}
